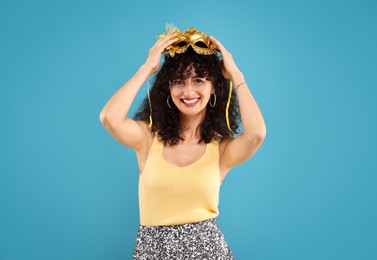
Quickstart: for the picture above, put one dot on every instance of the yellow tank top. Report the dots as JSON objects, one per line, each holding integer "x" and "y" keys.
{"x": 174, "y": 195}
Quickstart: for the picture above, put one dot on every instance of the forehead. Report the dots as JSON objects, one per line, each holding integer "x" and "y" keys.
{"x": 189, "y": 72}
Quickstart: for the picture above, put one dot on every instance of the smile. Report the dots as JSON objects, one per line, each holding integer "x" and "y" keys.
{"x": 190, "y": 101}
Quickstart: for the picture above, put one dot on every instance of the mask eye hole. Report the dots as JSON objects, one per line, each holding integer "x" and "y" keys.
{"x": 181, "y": 44}
{"x": 201, "y": 44}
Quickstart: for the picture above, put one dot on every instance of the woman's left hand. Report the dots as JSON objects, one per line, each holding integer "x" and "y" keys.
{"x": 230, "y": 70}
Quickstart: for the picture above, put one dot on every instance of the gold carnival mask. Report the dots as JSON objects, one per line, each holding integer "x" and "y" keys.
{"x": 199, "y": 41}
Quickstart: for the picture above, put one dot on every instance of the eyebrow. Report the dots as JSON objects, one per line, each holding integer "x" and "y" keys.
{"x": 193, "y": 77}
{"x": 198, "y": 76}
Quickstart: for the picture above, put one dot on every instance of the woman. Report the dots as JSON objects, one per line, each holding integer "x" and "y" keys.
{"x": 183, "y": 139}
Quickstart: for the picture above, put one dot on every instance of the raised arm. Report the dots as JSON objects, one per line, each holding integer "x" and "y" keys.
{"x": 114, "y": 114}
{"x": 236, "y": 150}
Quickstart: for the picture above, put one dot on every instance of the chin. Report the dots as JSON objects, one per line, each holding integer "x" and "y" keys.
{"x": 195, "y": 112}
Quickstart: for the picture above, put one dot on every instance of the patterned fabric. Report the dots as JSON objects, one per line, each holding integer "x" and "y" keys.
{"x": 198, "y": 240}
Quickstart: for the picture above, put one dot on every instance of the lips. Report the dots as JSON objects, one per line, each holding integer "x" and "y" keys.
{"x": 190, "y": 101}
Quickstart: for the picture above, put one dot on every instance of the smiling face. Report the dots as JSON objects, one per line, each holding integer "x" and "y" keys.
{"x": 191, "y": 95}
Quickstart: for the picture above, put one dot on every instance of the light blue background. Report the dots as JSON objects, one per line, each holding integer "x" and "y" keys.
{"x": 68, "y": 190}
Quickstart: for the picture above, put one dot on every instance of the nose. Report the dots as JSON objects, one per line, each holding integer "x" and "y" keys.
{"x": 189, "y": 89}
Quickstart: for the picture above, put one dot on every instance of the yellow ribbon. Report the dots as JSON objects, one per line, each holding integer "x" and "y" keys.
{"x": 227, "y": 106}
{"x": 150, "y": 106}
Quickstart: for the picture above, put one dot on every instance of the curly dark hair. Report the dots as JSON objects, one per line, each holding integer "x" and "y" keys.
{"x": 167, "y": 121}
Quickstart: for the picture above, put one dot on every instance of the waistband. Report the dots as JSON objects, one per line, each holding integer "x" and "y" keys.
{"x": 187, "y": 225}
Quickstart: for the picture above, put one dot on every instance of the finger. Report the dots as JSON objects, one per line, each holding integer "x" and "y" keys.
{"x": 171, "y": 41}
{"x": 218, "y": 44}
{"x": 164, "y": 41}
{"x": 166, "y": 38}
{"x": 162, "y": 46}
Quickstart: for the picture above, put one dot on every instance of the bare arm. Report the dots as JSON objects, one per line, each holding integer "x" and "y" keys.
{"x": 238, "y": 149}
{"x": 119, "y": 104}
{"x": 114, "y": 114}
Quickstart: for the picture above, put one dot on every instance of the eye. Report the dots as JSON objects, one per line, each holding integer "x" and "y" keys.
{"x": 198, "y": 81}
{"x": 201, "y": 44}
{"x": 177, "y": 82}
{"x": 181, "y": 44}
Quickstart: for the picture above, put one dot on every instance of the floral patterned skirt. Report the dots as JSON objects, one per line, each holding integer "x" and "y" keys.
{"x": 198, "y": 240}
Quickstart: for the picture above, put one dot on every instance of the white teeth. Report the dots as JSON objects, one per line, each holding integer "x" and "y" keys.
{"x": 190, "y": 101}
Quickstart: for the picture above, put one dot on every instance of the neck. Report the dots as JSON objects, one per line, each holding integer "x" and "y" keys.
{"x": 190, "y": 127}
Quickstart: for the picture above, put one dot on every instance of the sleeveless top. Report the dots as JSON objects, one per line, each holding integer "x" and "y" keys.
{"x": 175, "y": 195}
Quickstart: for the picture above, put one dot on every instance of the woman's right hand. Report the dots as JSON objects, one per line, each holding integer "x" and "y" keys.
{"x": 155, "y": 52}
